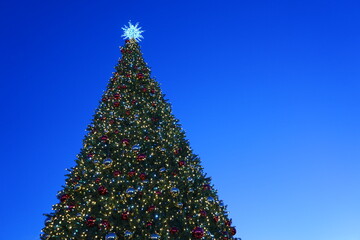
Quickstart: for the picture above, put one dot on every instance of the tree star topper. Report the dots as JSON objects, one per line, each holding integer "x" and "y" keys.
{"x": 132, "y": 32}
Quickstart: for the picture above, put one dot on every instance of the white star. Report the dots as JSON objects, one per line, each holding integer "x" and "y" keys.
{"x": 132, "y": 32}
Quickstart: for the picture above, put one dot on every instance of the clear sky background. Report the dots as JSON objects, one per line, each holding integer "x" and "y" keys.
{"x": 267, "y": 92}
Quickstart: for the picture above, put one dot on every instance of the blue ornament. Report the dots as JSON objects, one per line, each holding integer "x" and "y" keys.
{"x": 154, "y": 236}
{"x": 111, "y": 236}
{"x": 128, "y": 234}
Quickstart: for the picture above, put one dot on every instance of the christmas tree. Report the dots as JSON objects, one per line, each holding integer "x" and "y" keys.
{"x": 136, "y": 176}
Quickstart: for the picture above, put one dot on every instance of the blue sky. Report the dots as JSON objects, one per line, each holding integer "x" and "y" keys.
{"x": 267, "y": 92}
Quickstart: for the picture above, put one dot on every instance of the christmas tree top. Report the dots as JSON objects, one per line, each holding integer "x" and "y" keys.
{"x": 132, "y": 32}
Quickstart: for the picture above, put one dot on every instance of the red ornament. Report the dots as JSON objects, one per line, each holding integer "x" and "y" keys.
{"x": 71, "y": 206}
{"x": 125, "y": 215}
{"x": 140, "y": 75}
{"x": 141, "y": 157}
{"x": 116, "y": 173}
{"x": 127, "y": 112}
{"x": 228, "y": 223}
{"x": 233, "y": 231}
{"x": 128, "y": 75}
{"x": 131, "y": 173}
{"x": 177, "y": 151}
{"x": 151, "y": 208}
{"x": 146, "y": 138}
{"x": 116, "y": 131}
{"x": 102, "y": 190}
{"x": 105, "y": 224}
{"x": 97, "y": 180}
{"x": 104, "y": 138}
{"x": 158, "y": 192}
{"x": 144, "y": 90}
{"x": 181, "y": 163}
{"x": 152, "y": 91}
{"x": 206, "y": 187}
{"x": 123, "y": 86}
{"x": 148, "y": 224}
{"x": 198, "y": 232}
{"x": 64, "y": 197}
{"x": 203, "y": 213}
{"x": 174, "y": 230}
{"x": 112, "y": 121}
{"x": 134, "y": 101}
{"x": 142, "y": 176}
{"x": 117, "y": 96}
{"x": 216, "y": 219}
{"x": 125, "y": 142}
{"x": 90, "y": 155}
{"x": 116, "y": 104}
{"x": 104, "y": 99}
{"x": 90, "y": 222}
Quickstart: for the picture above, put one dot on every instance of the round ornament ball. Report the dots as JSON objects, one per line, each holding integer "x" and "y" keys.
{"x": 136, "y": 147}
{"x": 154, "y": 236}
{"x": 107, "y": 162}
{"x": 151, "y": 208}
{"x": 105, "y": 224}
{"x": 130, "y": 191}
{"x": 116, "y": 173}
{"x": 64, "y": 197}
{"x": 131, "y": 173}
{"x": 77, "y": 187}
{"x": 90, "y": 222}
{"x": 180, "y": 205}
{"x": 116, "y": 95}
{"x": 125, "y": 142}
{"x": 175, "y": 191}
{"x": 142, "y": 176}
{"x": 210, "y": 199}
{"x": 125, "y": 216}
{"x": 128, "y": 234}
{"x": 162, "y": 170}
{"x": 181, "y": 163}
{"x": 111, "y": 236}
{"x": 48, "y": 220}
{"x": 233, "y": 231}
{"x": 198, "y": 232}
{"x": 203, "y": 213}
{"x": 174, "y": 230}
{"x": 102, "y": 190}
{"x": 141, "y": 157}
